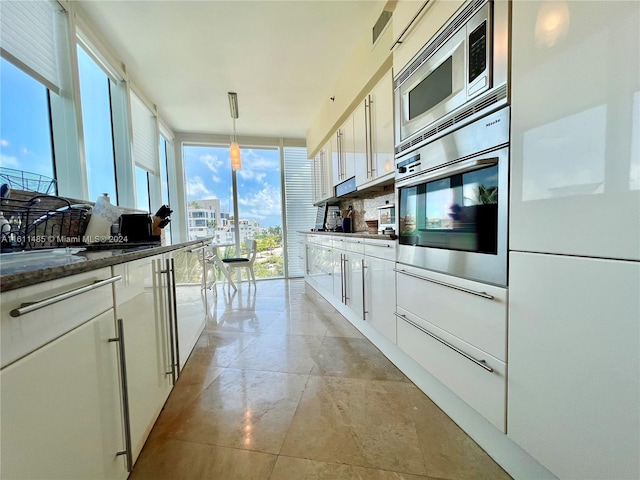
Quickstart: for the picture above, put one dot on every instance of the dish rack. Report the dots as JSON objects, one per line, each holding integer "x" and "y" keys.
{"x": 43, "y": 221}
{"x": 27, "y": 181}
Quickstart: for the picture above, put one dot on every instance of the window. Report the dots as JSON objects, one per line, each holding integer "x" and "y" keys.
{"x": 25, "y": 135}
{"x": 260, "y": 208}
{"x": 95, "y": 93}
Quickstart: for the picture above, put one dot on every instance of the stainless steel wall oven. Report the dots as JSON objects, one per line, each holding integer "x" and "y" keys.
{"x": 452, "y": 200}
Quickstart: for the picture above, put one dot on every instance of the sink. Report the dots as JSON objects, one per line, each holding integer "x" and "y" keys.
{"x": 16, "y": 262}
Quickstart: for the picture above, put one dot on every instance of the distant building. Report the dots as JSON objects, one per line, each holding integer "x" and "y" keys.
{"x": 205, "y": 219}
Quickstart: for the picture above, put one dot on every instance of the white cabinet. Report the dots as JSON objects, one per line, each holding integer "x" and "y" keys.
{"x": 380, "y": 286}
{"x": 456, "y": 329}
{"x": 343, "y": 152}
{"x": 61, "y": 408}
{"x": 373, "y": 123}
{"x": 320, "y": 263}
{"x": 574, "y": 364}
{"x": 575, "y": 164}
{"x": 322, "y": 175}
{"x": 140, "y": 303}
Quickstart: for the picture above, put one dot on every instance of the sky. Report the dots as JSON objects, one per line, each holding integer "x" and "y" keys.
{"x": 24, "y": 122}
{"x": 208, "y": 175}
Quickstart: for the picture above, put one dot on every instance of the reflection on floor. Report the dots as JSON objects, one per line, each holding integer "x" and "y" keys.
{"x": 281, "y": 386}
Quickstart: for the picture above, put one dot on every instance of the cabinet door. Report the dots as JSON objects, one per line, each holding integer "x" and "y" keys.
{"x": 349, "y": 147}
{"x": 190, "y": 298}
{"x": 380, "y": 296}
{"x": 381, "y": 111}
{"x": 575, "y": 178}
{"x": 139, "y": 305}
{"x": 337, "y": 157}
{"x": 574, "y": 364}
{"x": 60, "y": 408}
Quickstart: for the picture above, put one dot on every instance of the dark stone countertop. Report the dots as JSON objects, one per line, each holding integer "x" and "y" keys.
{"x": 17, "y": 276}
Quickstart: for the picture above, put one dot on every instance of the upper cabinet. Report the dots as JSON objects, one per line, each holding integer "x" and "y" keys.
{"x": 373, "y": 121}
{"x": 575, "y": 171}
{"x": 322, "y": 175}
{"x": 414, "y": 23}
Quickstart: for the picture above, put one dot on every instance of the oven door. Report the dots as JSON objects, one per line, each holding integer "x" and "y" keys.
{"x": 453, "y": 218}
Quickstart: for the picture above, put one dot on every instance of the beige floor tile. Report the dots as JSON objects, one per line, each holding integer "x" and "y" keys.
{"x": 357, "y": 422}
{"x": 218, "y": 348}
{"x": 355, "y": 358}
{"x": 288, "y": 468}
{"x": 449, "y": 453}
{"x": 280, "y": 353}
{"x": 303, "y": 323}
{"x": 245, "y": 409}
{"x": 177, "y": 460}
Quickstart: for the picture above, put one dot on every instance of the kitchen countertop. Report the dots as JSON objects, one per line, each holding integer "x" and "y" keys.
{"x": 353, "y": 235}
{"x": 17, "y": 276}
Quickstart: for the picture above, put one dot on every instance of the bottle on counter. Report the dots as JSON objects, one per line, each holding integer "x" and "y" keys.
{"x": 103, "y": 215}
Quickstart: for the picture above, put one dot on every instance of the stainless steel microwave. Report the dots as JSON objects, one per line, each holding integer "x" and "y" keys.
{"x": 460, "y": 75}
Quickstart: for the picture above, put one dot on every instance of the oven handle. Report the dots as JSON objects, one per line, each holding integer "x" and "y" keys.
{"x": 444, "y": 284}
{"x": 447, "y": 170}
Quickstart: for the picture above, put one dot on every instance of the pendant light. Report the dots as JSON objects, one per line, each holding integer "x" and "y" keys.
{"x": 234, "y": 149}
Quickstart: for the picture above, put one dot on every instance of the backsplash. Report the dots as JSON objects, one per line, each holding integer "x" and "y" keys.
{"x": 365, "y": 208}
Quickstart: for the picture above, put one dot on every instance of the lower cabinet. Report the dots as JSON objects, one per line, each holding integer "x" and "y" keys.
{"x": 380, "y": 287}
{"x": 456, "y": 330}
{"x": 574, "y": 363}
{"x": 140, "y": 303}
{"x": 61, "y": 408}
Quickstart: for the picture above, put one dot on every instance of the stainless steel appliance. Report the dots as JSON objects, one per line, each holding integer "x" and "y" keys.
{"x": 387, "y": 219}
{"x": 460, "y": 75}
{"x": 452, "y": 198}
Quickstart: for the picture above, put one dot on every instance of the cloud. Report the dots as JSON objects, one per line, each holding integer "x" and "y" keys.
{"x": 4, "y": 142}
{"x": 214, "y": 164}
{"x": 9, "y": 161}
{"x": 261, "y": 204}
{"x": 195, "y": 188}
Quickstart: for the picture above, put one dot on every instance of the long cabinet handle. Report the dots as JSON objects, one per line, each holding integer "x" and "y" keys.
{"x": 127, "y": 452}
{"x": 175, "y": 316}
{"x": 344, "y": 280}
{"x": 374, "y": 167}
{"x": 444, "y": 284}
{"x": 33, "y": 306}
{"x": 364, "y": 300}
{"x": 480, "y": 363}
{"x": 170, "y": 302}
{"x": 399, "y": 39}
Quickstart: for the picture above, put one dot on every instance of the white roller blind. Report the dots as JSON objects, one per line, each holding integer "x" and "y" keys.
{"x": 28, "y": 32}
{"x": 301, "y": 214}
{"x": 145, "y": 138}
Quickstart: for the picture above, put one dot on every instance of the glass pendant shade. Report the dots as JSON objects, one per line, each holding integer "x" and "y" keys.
{"x": 234, "y": 154}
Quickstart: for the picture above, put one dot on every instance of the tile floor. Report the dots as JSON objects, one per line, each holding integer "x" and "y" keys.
{"x": 281, "y": 386}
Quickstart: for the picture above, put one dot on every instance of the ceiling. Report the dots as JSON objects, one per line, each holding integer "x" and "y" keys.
{"x": 281, "y": 57}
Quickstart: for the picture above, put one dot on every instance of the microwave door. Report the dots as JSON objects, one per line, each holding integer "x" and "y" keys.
{"x": 435, "y": 88}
